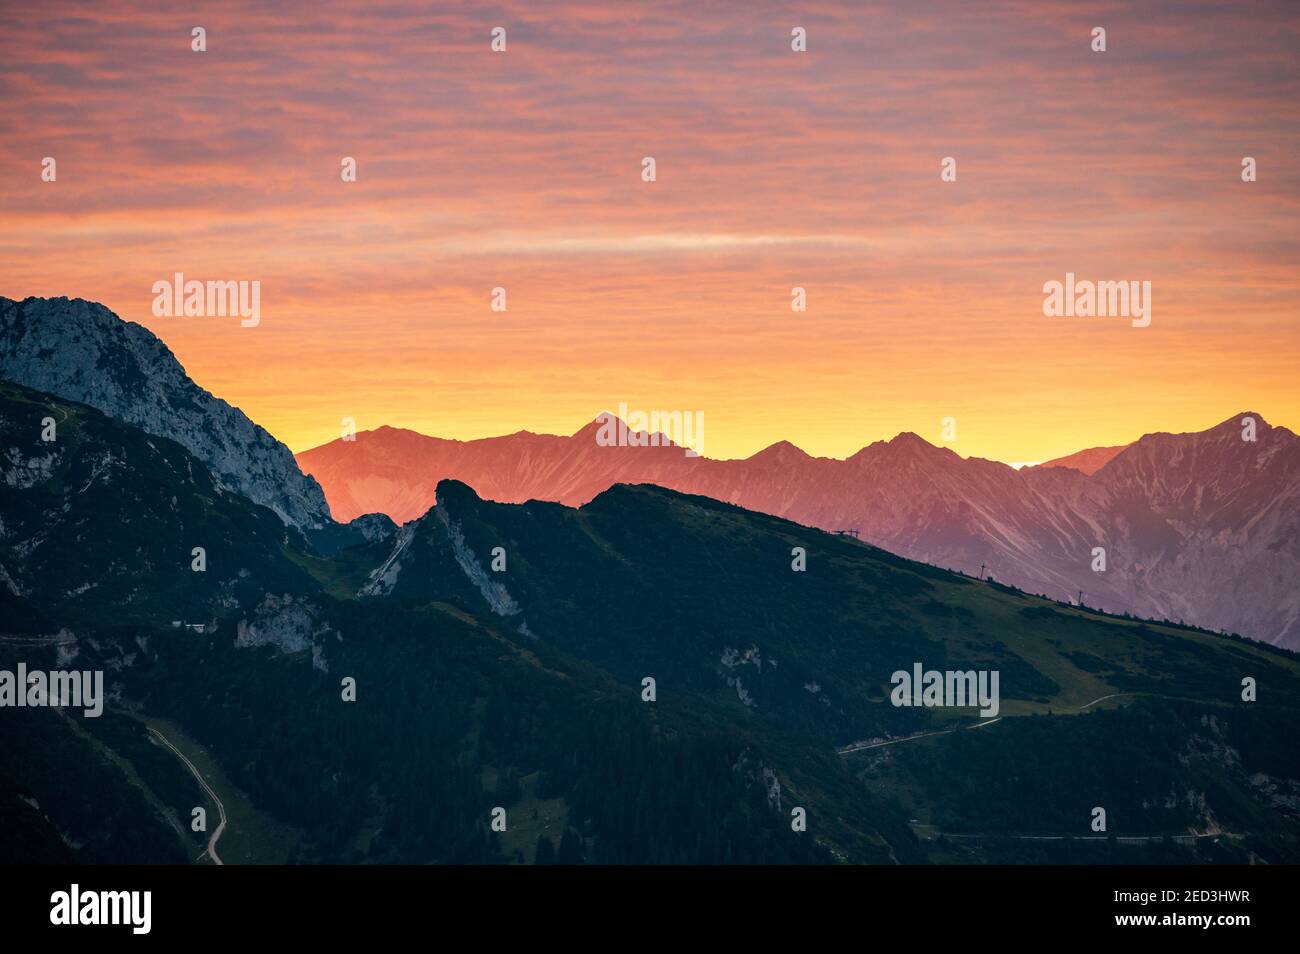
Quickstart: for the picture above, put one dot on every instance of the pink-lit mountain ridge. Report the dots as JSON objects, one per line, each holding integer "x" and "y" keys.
{"x": 1201, "y": 527}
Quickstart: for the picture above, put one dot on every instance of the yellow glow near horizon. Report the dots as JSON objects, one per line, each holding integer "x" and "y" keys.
{"x": 775, "y": 170}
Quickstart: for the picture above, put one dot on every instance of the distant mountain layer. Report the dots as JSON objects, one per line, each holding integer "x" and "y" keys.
{"x": 1201, "y": 527}
{"x": 81, "y": 351}
{"x": 1087, "y": 461}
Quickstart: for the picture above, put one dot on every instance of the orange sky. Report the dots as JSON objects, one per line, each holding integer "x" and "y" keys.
{"x": 775, "y": 169}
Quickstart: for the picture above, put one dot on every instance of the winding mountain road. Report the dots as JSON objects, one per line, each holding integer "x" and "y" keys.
{"x": 863, "y": 746}
{"x": 221, "y": 809}
{"x": 1103, "y": 699}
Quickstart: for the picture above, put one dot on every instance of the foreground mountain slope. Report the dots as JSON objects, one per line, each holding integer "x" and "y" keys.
{"x": 647, "y": 581}
{"x": 1167, "y": 556}
{"x": 453, "y": 717}
{"x": 81, "y": 351}
{"x": 701, "y": 597}
{"x": 102, "y": 522}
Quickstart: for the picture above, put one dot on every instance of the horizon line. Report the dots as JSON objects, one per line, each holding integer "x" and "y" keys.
{"x": 1019, "y": 464}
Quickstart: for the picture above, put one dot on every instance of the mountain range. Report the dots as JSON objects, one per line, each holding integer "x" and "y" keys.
{"x": 650, "y": 677}
{"x": 1201, "y": 527}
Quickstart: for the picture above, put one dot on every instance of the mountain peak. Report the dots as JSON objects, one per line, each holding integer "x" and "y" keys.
{"x": 912, "y": 439}
{"x": 905, "y": 444}
{"x": 450, "y": 490}
{"x": 1087, "y": 461}
{"x": 609, "y": 423}
{"x": 603, "y": 420}
{"x": 782, "y": 452}
{"x": 1236, "y": 422}
{"x": 48, "y": 344}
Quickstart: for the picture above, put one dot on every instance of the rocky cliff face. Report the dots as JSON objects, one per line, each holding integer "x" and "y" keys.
{"x": 81, "y": 351}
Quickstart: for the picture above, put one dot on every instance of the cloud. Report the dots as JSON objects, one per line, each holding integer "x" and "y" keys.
{"x": 775, "y": 169}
